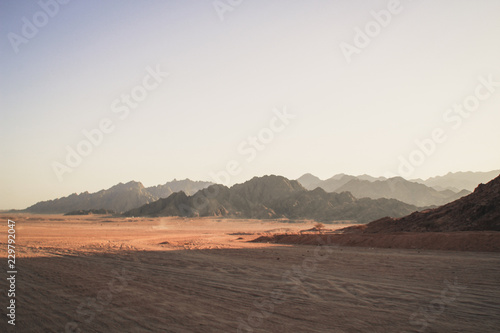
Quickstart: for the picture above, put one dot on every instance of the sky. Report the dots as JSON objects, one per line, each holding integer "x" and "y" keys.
{"x": 93, "y": 93}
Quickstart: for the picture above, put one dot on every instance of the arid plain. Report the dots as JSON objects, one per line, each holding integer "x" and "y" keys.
{"x": 108, "y": 274}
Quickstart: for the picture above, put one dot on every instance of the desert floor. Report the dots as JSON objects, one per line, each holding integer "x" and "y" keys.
{"x": 104, "y": 274}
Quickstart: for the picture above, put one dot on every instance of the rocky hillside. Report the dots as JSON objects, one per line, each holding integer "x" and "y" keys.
{"x": 273, "y": 197}
{"x": 478, "y": 211}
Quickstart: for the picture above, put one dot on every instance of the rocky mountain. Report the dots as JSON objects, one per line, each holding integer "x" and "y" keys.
{"x": 457, "y": 181}
{"x": 119, "y": 198}
{"x": 478, "y": 211}
{"x": 187, "y": 186}
{"x": 402, "y": 190}
{"x": 273, "y": 197}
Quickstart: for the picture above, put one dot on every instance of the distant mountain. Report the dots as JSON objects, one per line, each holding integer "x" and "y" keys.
{"x": 335, "y": 182}
{"x": 119, "y": 198}
{"x": 478, "y": 211}
{"x": 400, "y": 189}
{"x": 309, "y": 181}
{"x": 370, "y": 178}
{"x": 187, "y": 186}
{"x": 457, "y": 181}
{"x": 366, "y": 186}
{"x": 273, "y": 197}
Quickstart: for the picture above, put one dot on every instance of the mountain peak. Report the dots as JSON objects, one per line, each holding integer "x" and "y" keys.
{"x": 309, "y": 181}
{"x": 129, "y": 185}
{"x": 309, "y": 176}
{"x": 268, "y": 187}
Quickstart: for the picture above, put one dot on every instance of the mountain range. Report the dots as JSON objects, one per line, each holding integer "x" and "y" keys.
{"x": 273, "y": 197}
{"x": 125, "y": 197}
{"x": 119, "y": 198}
{"x": 434, "y": 191}
{"x": 187, "y": 186}
{"x": 457, "y": 181}
{"x": 310, "y": 181}
{"x": 478, "y": 211}
{"x": 401, "y": 189}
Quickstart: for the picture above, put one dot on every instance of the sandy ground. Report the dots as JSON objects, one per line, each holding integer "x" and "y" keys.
{"x": 102, "y": 274}
{"x": 479, "y": 241}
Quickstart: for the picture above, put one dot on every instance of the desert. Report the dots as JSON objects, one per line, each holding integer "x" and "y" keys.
{"x": 98, "y": 273}
{"x": 235, "y": 166}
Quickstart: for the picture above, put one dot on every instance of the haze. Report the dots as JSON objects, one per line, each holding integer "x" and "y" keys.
{"x": 230, "y": 78}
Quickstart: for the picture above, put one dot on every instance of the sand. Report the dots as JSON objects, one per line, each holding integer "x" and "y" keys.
{"x": 104, "y": 274}
{"x": 480, "y": 241}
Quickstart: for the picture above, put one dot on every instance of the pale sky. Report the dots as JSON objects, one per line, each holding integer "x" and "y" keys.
{"x": 229, "y": 71}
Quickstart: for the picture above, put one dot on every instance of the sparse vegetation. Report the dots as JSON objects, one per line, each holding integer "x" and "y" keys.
{"x": 320, "y": 227}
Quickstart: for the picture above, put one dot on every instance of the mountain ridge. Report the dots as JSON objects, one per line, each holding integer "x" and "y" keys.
{"x": 119, "y": 198}
{"x": 272, "y": 197}
{"x": 467, "y": 180}
{"x": 398, "y": 188}
{"x": 478, "y": 211}
{"x": 402, "y": 190}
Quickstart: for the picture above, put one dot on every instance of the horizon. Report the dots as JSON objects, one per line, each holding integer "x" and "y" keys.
{"x": 93, "y": 94}
{"x": 230, "y": 185}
